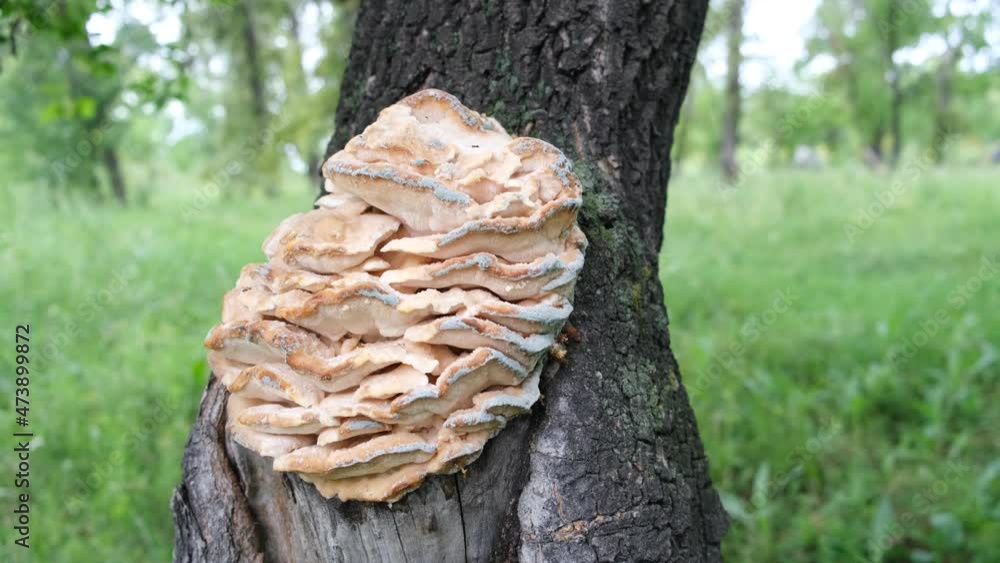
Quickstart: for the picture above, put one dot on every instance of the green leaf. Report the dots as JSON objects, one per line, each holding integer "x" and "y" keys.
{"x": 53, "y": 111}
{"x": 761, "y": 492}
{"x": 734, "y": 505}
{"x": 882, "y": 523}
{"x": 86, "y": 107}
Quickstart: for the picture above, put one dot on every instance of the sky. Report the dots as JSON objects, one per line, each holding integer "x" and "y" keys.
{"x": 774, "y": 32}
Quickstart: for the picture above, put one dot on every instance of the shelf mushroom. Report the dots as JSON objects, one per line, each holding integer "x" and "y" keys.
{"x": 398, "y": 326}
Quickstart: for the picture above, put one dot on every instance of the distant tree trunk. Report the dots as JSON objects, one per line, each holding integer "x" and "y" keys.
{"x": 943, "y": 119}
{"x": 731, "y": 112}
{"x": 254, "y": 73}
{"x": 873, "y": 154}
{"x": 831, "y": 138}
{"x": 310, "y": 155}
{"x": 110, "y": 157}
{"x": 895, "y": 90}
{"x": 255, "y": 79}
{"x": 610, "y": 467}
{"x": 684, "y": 126}
{"x": 312, "y": 167}
{"x": 897, "y": 122}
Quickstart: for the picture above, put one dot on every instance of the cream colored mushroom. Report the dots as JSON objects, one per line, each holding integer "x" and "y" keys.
{"x": 276, "y": 419}
{"x": 470, "y": 333}
{"x": 391, "y": 383}
{"x": 512, "y": 238}
{"x": 266, "y": 444}
{"x": 401, "y": 324}
{"x": 279, "y": 279}
{"x": 548, "y": 273}
{"x": 259, "y": 342}
{"x": 336, "y": 372}
{"x": 370, "y": 308}
{"x": 481, "y": 369}
{"x": 371, "y": 456}
{"x": 351, "y": 428}
{"x": 276, "y": 382}
{"x": 529, "y": 316}
{"x": 325, "y": 241}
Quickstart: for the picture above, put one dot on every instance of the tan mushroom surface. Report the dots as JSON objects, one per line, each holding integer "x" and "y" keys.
{"x": 400, "y": 324}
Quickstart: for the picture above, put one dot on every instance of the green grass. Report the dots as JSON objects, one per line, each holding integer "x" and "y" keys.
{"x": 826, "y": 444}
{"x": 818, "y": 441}
{"x": 112, "y": 408}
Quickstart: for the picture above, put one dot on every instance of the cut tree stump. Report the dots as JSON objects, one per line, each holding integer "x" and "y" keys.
{"x": 609, "y": 467}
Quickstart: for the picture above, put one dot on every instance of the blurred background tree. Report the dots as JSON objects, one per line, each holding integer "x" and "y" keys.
{"x": 209, "y": 87}
{"x": 876, "y": 78}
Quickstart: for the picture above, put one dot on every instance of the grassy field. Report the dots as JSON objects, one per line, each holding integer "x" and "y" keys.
{"x": 845, "y": 378}
{"x": 842, "y": 358}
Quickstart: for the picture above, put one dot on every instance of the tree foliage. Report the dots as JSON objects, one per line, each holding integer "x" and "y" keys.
{"x": 235, "y": 81}
{"x": 241, "y": 97}
{"x": 877, "y": 77}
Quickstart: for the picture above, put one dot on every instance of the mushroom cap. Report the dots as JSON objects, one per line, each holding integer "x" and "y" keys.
{"x": 464, "y": 378}
{"x": 511, "y": 238}
{"x": 257, "y": 342}
{"x": 386, "y": 385}
{"x": 336, "y": 372}
{"x": 527, "y": 317}
{"x": 276, "y": 382}
{"x": 375, "y": 455}
{"x": 278, "y": 278}
{"x": 267, "y": 444}
{"x": 351, "y": 428}
{"x": 277, "y": 419}
{"x": 509, "y": 281}
{"x": 436, "y": 167}
{"x": 469, "y": 333}
{"x": 324, "y": 241}
{"x": 369, "y": 307}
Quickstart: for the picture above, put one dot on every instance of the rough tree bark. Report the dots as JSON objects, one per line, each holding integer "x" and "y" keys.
{"x": 610, "y": 467}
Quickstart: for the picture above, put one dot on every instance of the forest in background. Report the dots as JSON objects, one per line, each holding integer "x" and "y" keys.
{"x": 116, "y": 100}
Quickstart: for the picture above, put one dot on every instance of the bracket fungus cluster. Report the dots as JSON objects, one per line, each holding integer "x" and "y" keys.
{"x": 400, "y": 324}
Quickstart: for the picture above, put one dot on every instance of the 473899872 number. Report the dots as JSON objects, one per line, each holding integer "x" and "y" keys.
{"x": 22, "y": 373}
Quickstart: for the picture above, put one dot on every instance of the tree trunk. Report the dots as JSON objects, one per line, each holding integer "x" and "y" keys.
{"x": 110, "y": 157}
{"x": 610, "y": 466}
{"x": 684, "y": 126}
{"x": 731, "y": 115}
{"x": 312, "y": 167}
{"x": 873, "y": 153}
{"x": 943, "y": 120}
{"x": 895, "y": 90}
{"x": 255, "y": 79}
{"x": 254, "y": 73}
{"x": 298, "y": 78}
{"x": 896, "y": 120}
